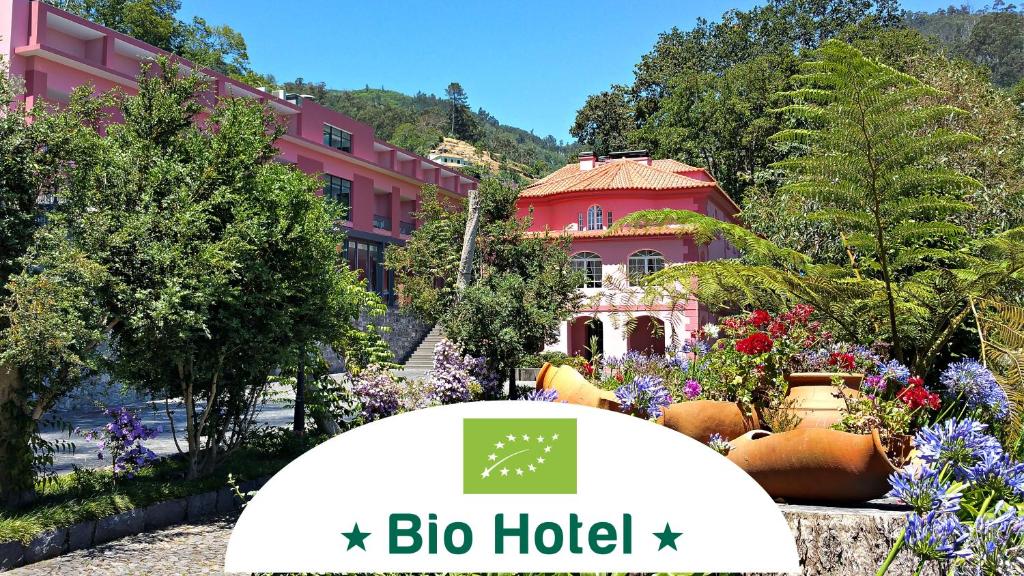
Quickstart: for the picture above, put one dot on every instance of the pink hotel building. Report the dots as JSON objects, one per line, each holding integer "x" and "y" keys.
{"x": 54, "y": 52}
{"x": 583, "y": 200}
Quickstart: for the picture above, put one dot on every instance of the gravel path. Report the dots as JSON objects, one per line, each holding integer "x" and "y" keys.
{"x": 185, "y": 549}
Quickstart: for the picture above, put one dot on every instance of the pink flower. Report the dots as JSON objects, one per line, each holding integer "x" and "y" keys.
{"x": 691, "y": 389}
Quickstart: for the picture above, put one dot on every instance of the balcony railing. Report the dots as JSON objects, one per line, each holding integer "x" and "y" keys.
{"x": 406, "y": 227}
{"x": 381, "y": 222}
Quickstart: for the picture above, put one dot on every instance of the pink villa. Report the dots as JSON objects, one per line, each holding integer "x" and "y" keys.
{"x": 583, "y": 200}
{"x": 55, "y": 52}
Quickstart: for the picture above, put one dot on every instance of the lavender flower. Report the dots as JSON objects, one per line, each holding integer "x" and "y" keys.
{"x": 958, "y": 443}
{"x": 921, "y": 488}
{"x": 548, "y": 395}
{"x": 645, "y": 395}
{"x": 937, "y": 536}
{"x": 972, "y": 381}
{"x": 719, "y": 444}
{"x": 691, "y": 389}
{"x": 450, "y": 377}
{"x": 378, "y": 391}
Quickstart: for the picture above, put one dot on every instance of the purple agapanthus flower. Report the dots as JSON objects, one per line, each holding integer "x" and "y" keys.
{"x": 997, "y": 542}
{"x": 921, "y": 488}
{"x": 691, "y": 389}
{"x": 547, "y": 395}
{"x": 976, "y": 386}
{"x": 679, "y": 362}
{"x": 645, "y": 394}
{"x": 996, "y": 473}
{"x": 893, "y": 371}
{"x": 937, "y": 536}
{"x": 719, "y": 444}
{"x": 958, "y": 443}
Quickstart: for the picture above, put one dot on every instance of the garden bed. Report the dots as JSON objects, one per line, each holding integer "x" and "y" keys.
{"x": 80, "y": 510}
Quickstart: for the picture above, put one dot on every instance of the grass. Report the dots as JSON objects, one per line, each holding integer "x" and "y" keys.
{"x": 90, "y": 494}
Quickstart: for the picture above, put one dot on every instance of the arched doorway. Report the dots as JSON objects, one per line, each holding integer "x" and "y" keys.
{"x": 583, "y": 331}
{"x": 647, "y": 336}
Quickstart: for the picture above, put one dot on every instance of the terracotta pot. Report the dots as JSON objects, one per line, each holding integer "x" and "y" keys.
{"x": 699, "y": 419}
{"x": 815, "y": 464}
{"x": 814, "y": 397}
{"x": 749, "y": 437}
{"x": 573, "y": 388}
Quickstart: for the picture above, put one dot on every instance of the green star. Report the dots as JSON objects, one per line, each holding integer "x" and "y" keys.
{"x": 356, "y": 538}
{"x": 667, "y": 538}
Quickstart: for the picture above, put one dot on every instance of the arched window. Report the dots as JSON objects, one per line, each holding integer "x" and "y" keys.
{"x": 590, "y": 264}
{"x": 595, "y": 218}
{"x": 645, "y": 262}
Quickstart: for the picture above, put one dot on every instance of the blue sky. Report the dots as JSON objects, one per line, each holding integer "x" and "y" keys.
{"x": 530, "y": 63}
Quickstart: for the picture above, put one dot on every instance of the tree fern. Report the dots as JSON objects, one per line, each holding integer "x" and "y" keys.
{"x": 1001, "y": 329}
{"x": 875, "y": 143}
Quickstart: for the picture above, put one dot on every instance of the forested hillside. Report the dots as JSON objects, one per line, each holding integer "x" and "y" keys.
{"x": 419, "y": 122}
{"x": 992, "y": 37}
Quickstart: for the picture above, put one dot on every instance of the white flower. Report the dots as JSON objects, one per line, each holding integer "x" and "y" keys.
{"x": 711, "y": 329}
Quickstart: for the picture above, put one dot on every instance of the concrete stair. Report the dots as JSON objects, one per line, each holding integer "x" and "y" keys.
{"x": 422, "y": 359}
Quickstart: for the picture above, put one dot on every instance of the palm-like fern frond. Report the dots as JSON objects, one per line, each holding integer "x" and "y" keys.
{"x": 1001, "y": 327}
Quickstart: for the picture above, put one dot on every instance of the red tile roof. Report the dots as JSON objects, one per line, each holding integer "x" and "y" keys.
{"x": 616, "y": 175}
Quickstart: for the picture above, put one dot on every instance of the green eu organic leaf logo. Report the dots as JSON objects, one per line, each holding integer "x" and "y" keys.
{"x": 519, "y": 456}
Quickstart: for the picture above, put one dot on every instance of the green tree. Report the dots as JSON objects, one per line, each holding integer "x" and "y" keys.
{"x": 49, "y": 321}
{"x": 461, "y": 123}
{"x": 997, "y": 42}
{"x": 604, "y": 122}
{"x": 204, "y": 262}
{"x": 703, "y": 95}
{"x": 522, "y": 288}
{"x": 876, "y": 168}
{"x": 417, "y": 138}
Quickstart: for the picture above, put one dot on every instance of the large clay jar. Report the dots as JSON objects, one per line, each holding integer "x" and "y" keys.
{"x": 699, "y": 419}
{"x": 573, "y": 388}
{"x": 814, "y": 399}
{"x": 815, "y": 464}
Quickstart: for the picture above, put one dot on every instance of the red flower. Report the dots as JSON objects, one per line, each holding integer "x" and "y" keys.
{"x": 588, "y": 369}
{"x": 759, "y": 318}
{"x": 802, "y": 312}
{"x": 731, "y": 324}
{"x": 756, "y": 343}
{"x": 618, "y": 376}
{"x": 777, "y": 329}
{"x": 915, "y": 395}
{"x": 844, "y": 361}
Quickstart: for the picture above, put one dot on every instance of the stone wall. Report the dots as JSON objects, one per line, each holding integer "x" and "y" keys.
{"x": 405, "y": 334}
{"x": 849, "y": 541}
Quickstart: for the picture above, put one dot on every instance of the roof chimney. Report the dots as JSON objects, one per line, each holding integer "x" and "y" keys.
{"x": 639, "y": 156}
{"x": 587, "y": 160}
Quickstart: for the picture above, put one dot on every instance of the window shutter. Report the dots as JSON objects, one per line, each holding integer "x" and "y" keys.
{"x": 579, "y": 221}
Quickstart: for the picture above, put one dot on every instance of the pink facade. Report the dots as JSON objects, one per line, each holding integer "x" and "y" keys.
{"x": 55, "y": 52}
{"x": 583, "y": 200}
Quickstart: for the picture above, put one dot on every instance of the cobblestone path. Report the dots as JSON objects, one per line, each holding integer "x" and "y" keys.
{"x": 180, "y": 550}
